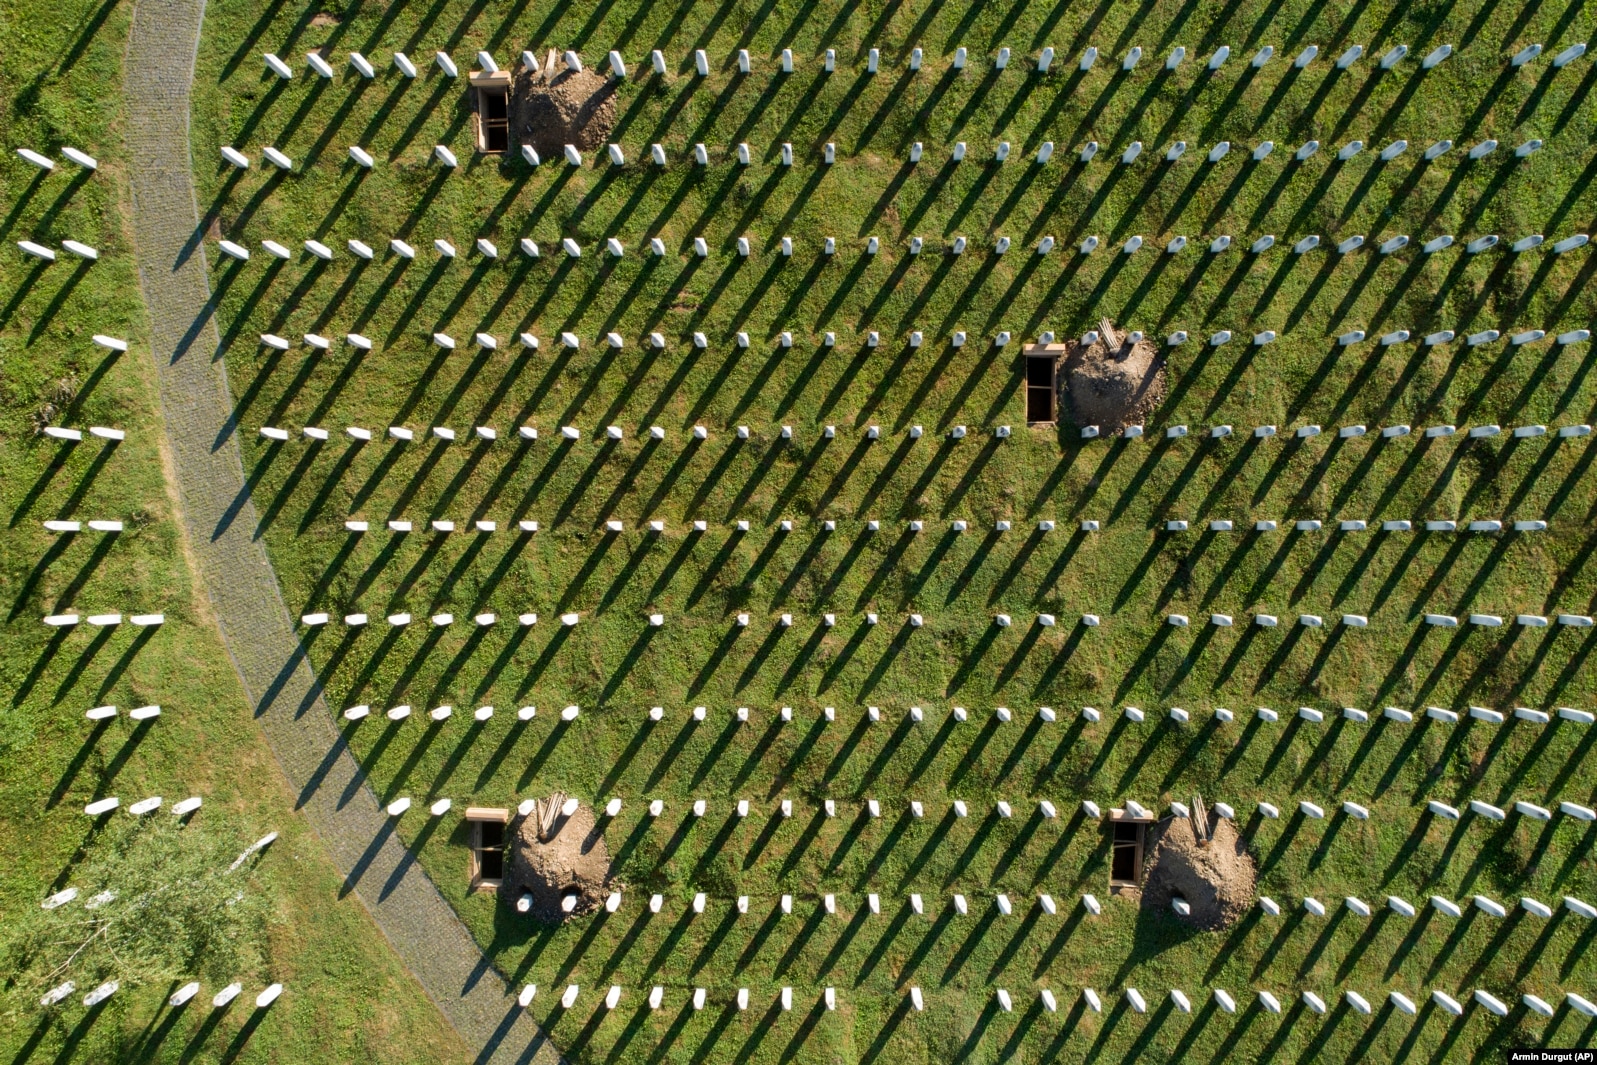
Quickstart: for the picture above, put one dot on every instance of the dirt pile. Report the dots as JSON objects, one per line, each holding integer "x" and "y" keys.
{"x": 1113, "y": 382}
{"x": 572, "y": 861}
{"x": 1218, "y": 881}
{"x": 570, "y": 107}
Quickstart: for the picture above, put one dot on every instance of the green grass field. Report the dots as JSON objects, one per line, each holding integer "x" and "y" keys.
{"x": 346, "y": 996}
{"x": 1132, "y": 573}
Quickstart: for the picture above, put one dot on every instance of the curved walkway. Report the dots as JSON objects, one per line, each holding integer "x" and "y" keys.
{"x": 220, "y": 523}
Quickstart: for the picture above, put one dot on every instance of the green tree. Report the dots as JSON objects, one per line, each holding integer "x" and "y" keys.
{"x": 153, "y": 900}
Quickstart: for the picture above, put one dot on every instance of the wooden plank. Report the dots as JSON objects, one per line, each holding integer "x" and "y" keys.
{"x": 1106, "y": 329}
{"x": 1200, "y": 820}
{"x": 551, "y": 812}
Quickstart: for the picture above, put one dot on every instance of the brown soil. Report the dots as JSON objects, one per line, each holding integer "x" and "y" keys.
{"x": 1113, "y": 384}
{"x": 1218, "y": 881}
{"x": 574, "y": 861}
{"x": 577, "y": 107}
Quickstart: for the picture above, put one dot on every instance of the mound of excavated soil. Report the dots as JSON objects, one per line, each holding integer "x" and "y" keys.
{"x": 573, "y": 861}
{"x": 1113, "y": 384}
{"x": 576, "y": 107}
{"x": 1218, "y": 881}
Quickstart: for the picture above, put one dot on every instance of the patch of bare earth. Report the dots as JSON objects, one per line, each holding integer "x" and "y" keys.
{"x": 1218, "y": 881}
{"x": 1113, "y": 382}
{"x": 569, "y": 859}
{"x": 552, "y": 110}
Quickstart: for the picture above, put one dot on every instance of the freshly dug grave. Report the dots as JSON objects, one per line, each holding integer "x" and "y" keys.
{"x": 1112, "y": 383}
{"x": 575, "y": 107}
{"x": 572, "y": 861}
{"x": 1218, "y": 881}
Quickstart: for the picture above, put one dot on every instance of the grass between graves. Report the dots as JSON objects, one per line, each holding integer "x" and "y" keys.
{"x": 1132, "y": 573}
{"x": 346, "y": 997}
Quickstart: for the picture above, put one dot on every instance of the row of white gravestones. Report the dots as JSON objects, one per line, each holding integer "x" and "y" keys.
{"x": 1223, "y": 243}
{"x": 439, "y": 525}
{"x": 653, "y": 526}
{"x": 1264, "y": 150}
{"x": 1270, "y": 1003}
{"x": 1135, "y": 1000}
{"x": 874, "y": 809}
{"x": 1002, "y": 432}
{"x": 443, "y": 526}
{"x": 1494, "y": 621}
{"x": 1046, "y": 809}
{"x": 915, "y": 525}
{"x": 915, "y": 338}
{"x": 959, "y": 338}
{"x": 102, "y": 807}
{"x": 35, "y": 250}
{"x": 915, "y": 60}
{"x": 1267, "y": 714}
{"x": 1446, "y": 336}
{"x": 1349, "y": 525}
{"x": 1389, "y": 431}
{"x": 1180, "y": 715}
{"x": 69, "y": 525}
{"x": 1175, "y": 151}
{"x": 68, "y": 620}
{"x": 613, "y": 247}
{"x": 1351, "y": 244}
{"x": 402, "y": 526}
{"x": 74, "y": 436}
{"x": 873, "y": 714}
{"x": 959, "y": 152}
{"x": 1358, "y": 812}
{"x": 1399, "y": 336}
{"x": 701, "y": 62}
{"x": 1315, "y": 812}
{"x": 616, "y": 155}
{"x": 612, "y": 434}
{"x": 1347, "y": 432}
{"x": 1089, "y": 809}
{"x": 700, "y": 903}
{"x": 1003, "y": 715}
{"x": 1362, "y": 621}
{"x": 1445, "y": 906}
{"x": 657, "y": 995}
{"x": 616, "y": 249}
{"x": 137, "y": 713}
{"x": 915, "y": 620}
{"x": 45, "y": 163}
{"x": 181, "y": 997}
{"x": 316, "y": 619}
{"x": 184, "y": 994}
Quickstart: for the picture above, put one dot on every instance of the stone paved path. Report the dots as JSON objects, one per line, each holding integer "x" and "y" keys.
{"x": 220, "y": 523}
